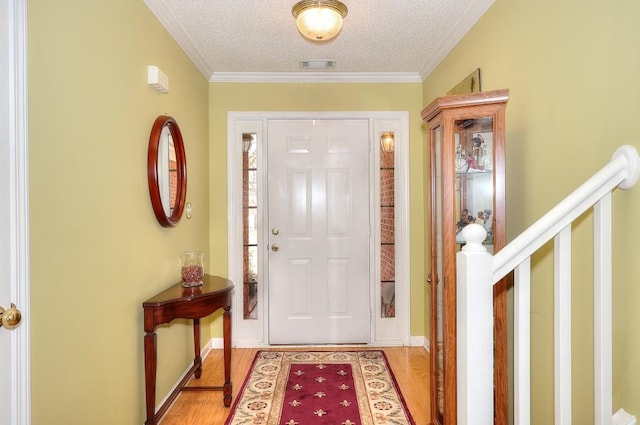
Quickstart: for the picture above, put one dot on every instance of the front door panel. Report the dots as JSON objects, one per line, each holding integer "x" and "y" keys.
{"x": 318, "y": 231}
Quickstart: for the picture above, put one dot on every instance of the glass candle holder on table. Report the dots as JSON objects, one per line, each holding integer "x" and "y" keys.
{"x": 192, "y": 268}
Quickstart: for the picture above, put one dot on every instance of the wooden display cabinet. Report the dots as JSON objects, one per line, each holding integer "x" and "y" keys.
{"x": 467, "y": 152}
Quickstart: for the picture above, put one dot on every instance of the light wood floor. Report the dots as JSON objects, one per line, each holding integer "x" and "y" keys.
{"x": 410, "y": 365}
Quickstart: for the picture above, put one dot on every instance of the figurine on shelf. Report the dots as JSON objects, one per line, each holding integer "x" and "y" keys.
{"x": 461, "y": 161}
{"x": 477, "y": 154}
{"x": 478, "y": 141}
{"x": 487, "y": 220}
{"x": 473, "y": 163}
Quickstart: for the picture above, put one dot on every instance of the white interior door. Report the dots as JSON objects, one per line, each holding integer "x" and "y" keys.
{"x": 319, "y": 239}
{"x": 14, "y": 343}
{"x": 5, "y": 289}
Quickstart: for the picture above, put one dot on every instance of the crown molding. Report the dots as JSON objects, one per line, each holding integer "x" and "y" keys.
{"x": 315, "y": 77}
{"x": 458, "y": 31}
{"x": 160, "y": 10}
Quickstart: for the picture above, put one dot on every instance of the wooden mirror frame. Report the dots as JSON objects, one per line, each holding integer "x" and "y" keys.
{"x": 152, "y": 171}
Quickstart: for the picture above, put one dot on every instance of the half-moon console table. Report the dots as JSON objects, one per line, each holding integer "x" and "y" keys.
{"x": 177, "y": 302}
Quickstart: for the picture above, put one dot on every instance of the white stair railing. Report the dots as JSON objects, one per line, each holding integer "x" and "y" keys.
{"x": 478, "y": 271}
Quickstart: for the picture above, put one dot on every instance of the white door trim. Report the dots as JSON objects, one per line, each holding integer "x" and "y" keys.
{"x": 253, "y": 333}
{"x": 13, "y": 129}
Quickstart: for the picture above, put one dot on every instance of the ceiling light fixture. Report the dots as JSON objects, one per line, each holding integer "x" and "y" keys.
{"x": 319, "y": 20}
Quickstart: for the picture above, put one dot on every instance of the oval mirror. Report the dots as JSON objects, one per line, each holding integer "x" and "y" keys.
{"x": 167, "y": 171}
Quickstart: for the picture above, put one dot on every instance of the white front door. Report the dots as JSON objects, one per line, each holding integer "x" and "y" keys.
{"x": 318, "y": 220}
{"x": 14, "y": 343}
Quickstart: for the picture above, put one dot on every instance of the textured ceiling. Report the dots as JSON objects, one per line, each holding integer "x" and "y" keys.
{"x": 257, "y": 40}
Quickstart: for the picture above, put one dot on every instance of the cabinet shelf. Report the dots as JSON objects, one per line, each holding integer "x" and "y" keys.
{"x": 473, "y": 173}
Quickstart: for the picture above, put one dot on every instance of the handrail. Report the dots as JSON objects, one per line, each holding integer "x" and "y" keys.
{"x": 622, "y": 171}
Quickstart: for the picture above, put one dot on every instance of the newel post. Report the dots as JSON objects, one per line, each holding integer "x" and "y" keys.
{"x": 475, "y": 329}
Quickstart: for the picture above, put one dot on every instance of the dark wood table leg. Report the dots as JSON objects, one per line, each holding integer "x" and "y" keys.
{"x": 226, "y": 326}
{"x": 150, "y": 366}
{"x": 197, "y": 360}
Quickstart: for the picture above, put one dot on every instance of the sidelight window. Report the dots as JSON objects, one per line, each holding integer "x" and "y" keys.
{"x": 387, "y": 234}
{"x": 250, "y": 226}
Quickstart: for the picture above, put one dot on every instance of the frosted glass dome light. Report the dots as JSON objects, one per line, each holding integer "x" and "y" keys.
{"x": 319, "y": 20}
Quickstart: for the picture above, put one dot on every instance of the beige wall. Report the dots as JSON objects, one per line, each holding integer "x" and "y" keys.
{"x": 97, "y": 251}
{"x": 572, "y": 68}
{"x": 225, "y": 97}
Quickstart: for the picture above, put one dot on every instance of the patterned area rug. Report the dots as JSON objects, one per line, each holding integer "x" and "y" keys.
{"x": 320, "y": 388}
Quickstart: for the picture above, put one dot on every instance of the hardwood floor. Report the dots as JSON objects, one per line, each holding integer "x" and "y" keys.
{"x": 410, "y": 365}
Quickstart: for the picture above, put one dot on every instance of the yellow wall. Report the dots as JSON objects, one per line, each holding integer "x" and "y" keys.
{"x": 225, "y": 97}
{"x": 97, "y": 251}
{"x": 572, "y": 68}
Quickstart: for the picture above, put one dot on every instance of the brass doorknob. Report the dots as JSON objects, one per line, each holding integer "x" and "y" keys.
{"x": 275, "y": 247}
{"x": 10, "y": 318}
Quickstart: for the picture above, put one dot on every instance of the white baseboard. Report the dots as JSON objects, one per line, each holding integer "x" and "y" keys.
{"x": 621, "y": 417}
{"x": 420, "y": 341}
{"x": 215, "y": 343}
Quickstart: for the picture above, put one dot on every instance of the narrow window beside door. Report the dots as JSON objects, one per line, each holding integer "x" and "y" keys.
{"x": 250, "y": 226}
{"x": 387, "y": 234}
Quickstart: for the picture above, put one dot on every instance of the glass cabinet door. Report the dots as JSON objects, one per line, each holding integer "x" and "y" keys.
{"x": 474, "y": 176}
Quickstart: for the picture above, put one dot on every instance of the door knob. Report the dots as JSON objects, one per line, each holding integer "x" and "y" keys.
{"x": 10, "y": 318}
{"x": 275, "y": 247}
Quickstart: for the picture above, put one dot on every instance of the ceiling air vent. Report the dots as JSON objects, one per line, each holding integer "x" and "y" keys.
{"x": 317, "y": 64}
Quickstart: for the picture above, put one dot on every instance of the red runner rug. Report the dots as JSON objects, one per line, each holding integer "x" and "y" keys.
{"x": 320, "y": 388}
